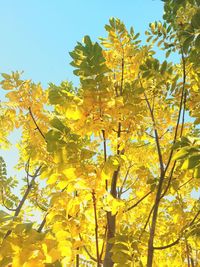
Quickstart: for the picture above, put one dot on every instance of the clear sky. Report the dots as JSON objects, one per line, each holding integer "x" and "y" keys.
{"x": 36, "y": 35}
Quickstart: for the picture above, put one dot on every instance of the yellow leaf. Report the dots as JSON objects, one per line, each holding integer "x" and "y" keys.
{"x": 62, "y": 235}
{"x": 104, "y": 176}
{"x": 65, "y": 249}
{"x": 32, "y": 263}
{"x": 53, "y": 178}
{"x": 69, "y": 173}
{"x": 73, "y": 113}
{"x": 53, "y": 255}
{"x": 62, "y": 184}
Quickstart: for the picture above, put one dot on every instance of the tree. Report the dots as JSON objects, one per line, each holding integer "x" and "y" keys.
{"x": 119, "y": 156}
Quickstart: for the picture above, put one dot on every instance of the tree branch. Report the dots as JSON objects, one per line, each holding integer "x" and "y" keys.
{"x": 156, "y": 134}
{"x": 37, "y": 127}
{"x": 87, "y": 251}
{"x": 21, "y": 203}
{"x": 104, "y": 241}
{"x": 41, "y": 226}
{"x": 147, "y": 221}
{"x": 138, "y": 202}
{"x": 181, "y": 233}
{"x": 185, "y": 92}
{"x": 96, "y": 228}
{"x": 123, "y": 183}
{"x": 179, "y": 113}
{"x": 105, "y": 153}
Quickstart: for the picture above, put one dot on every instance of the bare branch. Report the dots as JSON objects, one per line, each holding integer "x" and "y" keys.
{"x": 156, "y": 134}
{"x": 123, "y": 183}
{"x": 41, "y": 226}
{"x": 147, "y": 221}
{"x": 87, "y": 251}
{"x": 37, "y": 127}
{"x": 181, "y": 233}
{"x": 105, "y": 152}
{"x": 104, "y": 241}
{"x": 96, "y": 228}
{"x": 27, "y": 171}
{"x": 185, "y": 93}
{"x": 185, "y": 183}
{"x": 183, "y": 99}
{"x": 39, "y": 205}
{"x": 21, "y": 203}
{"x": 138, "y": 202}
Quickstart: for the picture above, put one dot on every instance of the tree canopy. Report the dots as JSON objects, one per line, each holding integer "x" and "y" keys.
{"x": 113, "y": 165}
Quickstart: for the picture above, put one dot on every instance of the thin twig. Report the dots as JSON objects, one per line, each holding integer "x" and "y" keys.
{"x": 147, "y": 221}
{"x": 37, "y": 127}
{"x": 87, "y": 251}
{"x": 185, "y": 183}
{"x": 27, "y": 171}
{"x": 21, "y": 203}
{"x": 138, "y": 202}
{"x": 185, "y": 93}
{"x": 39, "y": 206}
{"x": 130, "y": 186}
{"x": 105, "y": 153}
{"x": 123, "y": 183}
{"x": 181, "y": 233}
{"x": 179, "y": 114}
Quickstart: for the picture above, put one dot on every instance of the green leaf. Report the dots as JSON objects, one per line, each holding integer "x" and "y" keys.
{"x": 139, "y": 91}
{"x": 5, "y": 76}
{"x": 4, "y": 216}
{"x": 184, "y": 141}
{"x": 87, "y": 40}
{"x": 191, "y": 162}
{"x": 53, "y": 135}
{"x": 196, "y": 20}
{"x": 120, "y": 247}
{"x": 168, "y": 53}
{"x": 163, "y": 67}
{"x": 197, "y": 42}
{"x": 187, "y": 43}
{"x": 56, "y": 123}
{"x": 197, "y": 172}
{"x": 131, "y": 31}
{"x": 87, "y": 154}
{"x": 182, "y": 153}
{"x": 120, "y": 257}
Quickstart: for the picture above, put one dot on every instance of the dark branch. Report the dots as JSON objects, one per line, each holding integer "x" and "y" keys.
{"x": 179, "y": 113}
{"x": 181, "y": 233}
{"x": 87, "y": 251}
{"x": 37, "y": 127}
{"x": 138, "y": 202}
{"x": 96, "y": 228}
{"x": 21, "y": 203}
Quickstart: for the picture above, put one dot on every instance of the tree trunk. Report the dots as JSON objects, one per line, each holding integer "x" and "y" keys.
{"x": 111, "y": 219}
{"x": 153, "y": 223}
{"x": 111, "y": 222}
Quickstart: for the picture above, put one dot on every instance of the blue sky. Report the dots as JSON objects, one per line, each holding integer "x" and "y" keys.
{"x": 37, "y": 35}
